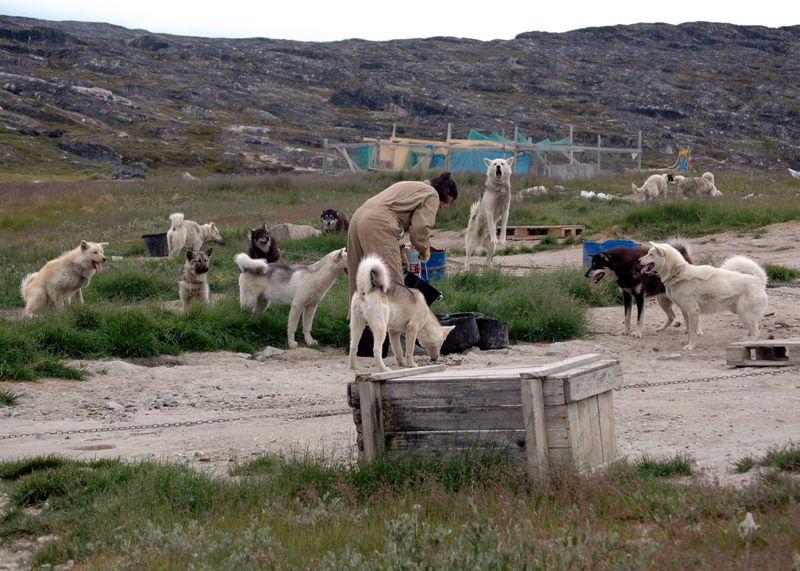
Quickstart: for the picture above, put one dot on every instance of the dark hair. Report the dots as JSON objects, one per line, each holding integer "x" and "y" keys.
{"x": 445, "y": 186}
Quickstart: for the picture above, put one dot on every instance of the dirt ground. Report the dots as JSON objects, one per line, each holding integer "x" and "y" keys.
{"x": 213, "y": 410}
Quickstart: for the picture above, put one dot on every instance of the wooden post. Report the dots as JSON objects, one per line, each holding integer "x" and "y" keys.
{"x": 369, "y": 393}
{"x": 598, "y": 153}
{"x": 447, "y": 156}
{"x": 639, "y": 155}
{"x": 535, "y": 431}
{"x": 325, "y": 156}
{"x": 571, "y": 145}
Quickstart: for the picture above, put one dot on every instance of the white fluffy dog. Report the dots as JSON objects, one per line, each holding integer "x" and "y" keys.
{"x": 738, "y": 285}
{"x": 63, "y": 278}
{"x": 698, "y": 186}
{"x": 492, "y": 208}
{"x": 654, "y": 187}
{"x": 189, "y": 233}
{"x": 387, "y": 306}
{"x": 302, "y": 287}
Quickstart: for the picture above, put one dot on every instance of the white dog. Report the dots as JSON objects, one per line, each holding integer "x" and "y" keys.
{"x": 303, "y": 287}
{"x": 385, "y": 305}
{"x": 492, "y": 208}
{"x": 738, "y": 285}
{"x": 63, "y": 278}
{"x": 698, "y": 186}
{"x": 189, "y": 233}
{"x": 654, "y": 187}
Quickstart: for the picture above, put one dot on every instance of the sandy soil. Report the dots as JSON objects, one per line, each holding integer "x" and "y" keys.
{"x": 212, "y": 410}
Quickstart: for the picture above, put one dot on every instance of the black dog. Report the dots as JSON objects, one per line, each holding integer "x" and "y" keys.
{"x": 263, "y": 245}
{"x": 622, "y": 264}
{"x": 334, "y": 221}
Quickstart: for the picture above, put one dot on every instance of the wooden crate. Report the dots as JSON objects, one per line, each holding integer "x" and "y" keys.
{"x": 771, "y": 353}
{"x": 559, "y": 414}
{"x": 537, "y": 232}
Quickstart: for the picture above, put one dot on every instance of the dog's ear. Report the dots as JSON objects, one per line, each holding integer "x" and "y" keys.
{"x": 189, "y": 254}
{"x": 487, "y": 161}
{"x": 84, "y": 244}
{"x": 510, "y": 161}
{"x": 265, "y": 227}
{"x": 446, "y": 329}
{"x": 102, "y": 244}
{"x": 250, "y": 233}
{"x": 655, "y": 247}
{"x": 208, "y": 252}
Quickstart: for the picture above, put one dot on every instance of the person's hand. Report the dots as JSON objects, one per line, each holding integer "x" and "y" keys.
{"x": 425, "y": 255}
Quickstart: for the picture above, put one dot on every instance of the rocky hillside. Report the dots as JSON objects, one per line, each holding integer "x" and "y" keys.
{"x": 103, "y": 100}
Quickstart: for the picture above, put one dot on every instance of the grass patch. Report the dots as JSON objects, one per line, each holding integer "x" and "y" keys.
{"x": 784, "y": 458}
{"x": 479, "y": 511}
{"x": 8, "y": 398}
{"x": 778, "y": 274}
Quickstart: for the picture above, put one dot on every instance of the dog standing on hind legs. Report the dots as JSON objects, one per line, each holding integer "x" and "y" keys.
{"x": 388, "y": 306}
{"x": 493, "y": 207}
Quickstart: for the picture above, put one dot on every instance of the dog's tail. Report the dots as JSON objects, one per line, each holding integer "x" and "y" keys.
{"x": 247, "y": 264}
{"x": 25, "y": 281}
{"x": 372, "y": 273}
{"x": 745, "y": 265}
{"x": 709, "y": 176}
{"x": 681, "y": 244}
{"x": 177, "y": 220}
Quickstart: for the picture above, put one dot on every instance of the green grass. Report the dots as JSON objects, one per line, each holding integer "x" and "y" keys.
{"x": 478, "y": 511}
{"x": 8, "y": 398}
{"x": 778, "y": 274}
{"x": 784, "y": 458}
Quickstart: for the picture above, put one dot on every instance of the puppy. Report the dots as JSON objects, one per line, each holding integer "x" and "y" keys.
{"x": 302, "y": 287}
{"x": 63, "y": 278}
{"x": 193, "y": 285}
{"x": 334, "y": 221}
{"x": 654, "y": 187}
{"x": 263, "y": 245}
{"x": 189, "y": 234}
{"x": 738, "y": 285}
{"x": 493, "y": 207}
{"x": 385, "y": 305}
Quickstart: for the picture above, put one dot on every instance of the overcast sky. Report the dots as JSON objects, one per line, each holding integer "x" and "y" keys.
{"x": 328, "y": 20}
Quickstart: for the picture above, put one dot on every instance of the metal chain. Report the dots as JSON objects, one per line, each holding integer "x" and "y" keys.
{"x": 761, "y": 373}
{"x": 287, "y": 416}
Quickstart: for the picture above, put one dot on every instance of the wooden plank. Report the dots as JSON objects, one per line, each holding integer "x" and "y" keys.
{"x": 371, "y": 420}
{"x": 791, "y": 342}
{"x": 450, "y": 392}
{"x": 584, "y": 437}
{"x": 535, "y": 431}
{"x": 608, "y": 435}
{"x": 558, "y": 366}
{"x": 511, "y": 440}
{"x": 420, "y": 419}
{"x": 399, "y": 373}
{"x": 589, "y": 380}
{"x": 557, "y": 437}
{"x": 767, "y": 353}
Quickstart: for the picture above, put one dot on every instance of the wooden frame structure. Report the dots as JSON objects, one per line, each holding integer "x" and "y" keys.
{"x": 553, "y": 416}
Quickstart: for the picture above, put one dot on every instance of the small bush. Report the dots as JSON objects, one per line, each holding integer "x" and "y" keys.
{"x": 7, "y": 398}
{"x": 778, "y": 274}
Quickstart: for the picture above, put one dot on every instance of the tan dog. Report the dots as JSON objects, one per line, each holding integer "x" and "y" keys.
{"x": 387, "y": 306}
{"x": 63, "y": 278}
{"x": 193, "y": 285}
{"x": 189, "y": 234}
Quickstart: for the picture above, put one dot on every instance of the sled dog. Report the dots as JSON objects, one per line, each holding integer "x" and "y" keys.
{"x": 622, "y": 265}
{"x": 388, "y": 306}
{"x": 654, "y": 187}
{"x": 263, "y": 245}
{"x": 189, "y": 234}
{"x": 193, "y": 285}
{"x": 302, "y": 287}
{"x": 492, "y": 208}
{"x": 334, "y": 221}
{"x": 738, "y": 285}
{"x": 63, "y": 278}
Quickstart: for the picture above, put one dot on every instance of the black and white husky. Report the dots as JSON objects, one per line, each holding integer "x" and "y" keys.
{"x": 622, "y": 264}
{"x": 302, "y": 287}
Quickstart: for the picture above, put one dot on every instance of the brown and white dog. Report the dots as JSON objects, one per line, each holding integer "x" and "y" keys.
{"x": 63, "y": 278}
{"x": 193, "y": 285}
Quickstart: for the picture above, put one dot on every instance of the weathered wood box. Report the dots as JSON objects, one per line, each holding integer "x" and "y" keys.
{"x": 555, "y": 415}
{"x": 767, "y": 353}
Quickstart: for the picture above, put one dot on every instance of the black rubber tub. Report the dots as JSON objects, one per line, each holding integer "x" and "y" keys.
{"x": 156, "y": 245}
{"x": 494, "y": 333}
{"x": 429, "y": 292}
{"x": 366, "y": 342}
{"x": 465, "y": 334}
